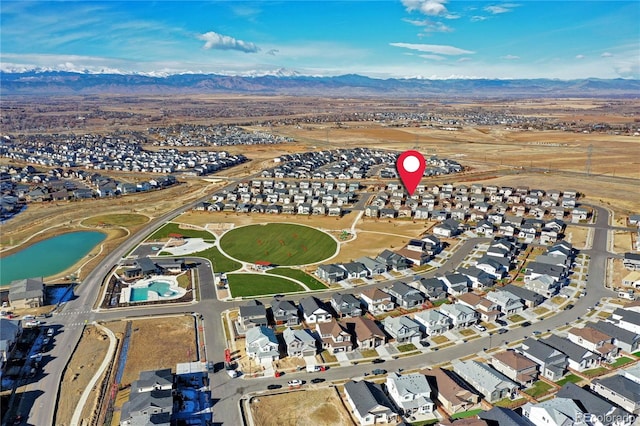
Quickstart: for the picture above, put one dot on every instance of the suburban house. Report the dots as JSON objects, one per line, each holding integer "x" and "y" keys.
{"x": 253, "y": 314}
{"x": 373, "y": 266}
{"x": 261, "y": 344}
{"x": 455, "y": 283}
{"x": 335, "y": 338}
{"x": 346, "y": 305}
{"x": 453, "y": 395}
{"x": 554, "y": 412}
{"x": 503, "y": 416}
{"x": 479, "y": 279}
{"x": 26, "y": 293}
{"x": 486, "y": 380}
{"x": 141, "y": 267}
{"x": 355, "y": 270}
{"x": 432, "y": 287}
{"x": 516, "y": 367}
{"x": 495, "y": 266}
{"x": 376, "y": 301}
{"x": 593, "y": 404}
{"x": 578, "y": 357}
{"x": 284, "y": 312}
{"x": 369, "y": 403}
{"x": 331, "y": 273}
{"x": 402, "y": 329}
{"x": 544, "y": 285}
{"x": 530, "y": 298}
{"x": 300, "y": 343}
{"x": 405, "y": 295}
{"x": 552, "y": 362}
{"x": 447, "y": 228}
{"x": 620, "y": 390}
{"x": 367, "y": 333}
{"x": 626, "y": 319}
{"x": 595, "y": 341}
{"x": 411, "y": 393}
{"x": 487, "y": 309}
{"x": 461, "y": 316}
{"x": 627, "y": 341}
{"x": 394, "y": 261}
{"x": 507, "y": 302}
{"x": 313, "y": 310}
{"x": 432, "y": 321}
{"x": 10, "y": 331}
{"x": 150, "y": 400}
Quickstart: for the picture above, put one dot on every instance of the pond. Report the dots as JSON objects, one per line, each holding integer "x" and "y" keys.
{"x": 48, "y": 257}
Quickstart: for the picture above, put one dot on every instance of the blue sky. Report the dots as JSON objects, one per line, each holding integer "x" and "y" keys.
{"x": 381, "y": 39}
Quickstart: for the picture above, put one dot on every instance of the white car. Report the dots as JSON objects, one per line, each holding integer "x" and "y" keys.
{"x": 294, "y": 383}
{"x": 480, "y": 327}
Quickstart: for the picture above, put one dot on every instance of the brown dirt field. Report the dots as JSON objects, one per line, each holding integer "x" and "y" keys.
{"x": 576, "y": 235}
{"x": 83, "y": 365}
{"x": 148, "y": 352}
{"x": 367, "y": 244}
{"x": 622, "y": 242}
{"x": 321, "y": 407}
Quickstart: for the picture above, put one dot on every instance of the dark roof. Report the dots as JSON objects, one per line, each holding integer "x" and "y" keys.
{"x": 146, "y": 265}
{"x": 253, "y": 309}
{"x": 310, "y": 304}
{"x": 523, "y": 293}
{"x": 613, "y": 330}
{"x": 621, "y": 385}
{"x": 26, "y": 289}
{"x": 628, "y": 316}
{"x": 587, "y": 401}
{"x": 572, "y": 350}
{"x": 366, "y": 396}
{"x": 500, "y": 416}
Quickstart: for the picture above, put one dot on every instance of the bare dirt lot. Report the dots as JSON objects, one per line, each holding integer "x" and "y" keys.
{"x": 83, "y": 365}
{"x": 322, "y": 407}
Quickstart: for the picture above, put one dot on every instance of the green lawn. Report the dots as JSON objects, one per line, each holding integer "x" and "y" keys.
{"x": 407, "y": 347}
{"x": 594, "y": 372}
{"x": 118, "y": 219}
{"x": 466, "y": 414}
{"x": 425, "y": 422}
{"x": 279, "y": 243}
{"x": 621, "y": 361}
{"x": 220, "y": 262}
{"x": 508, "y": 403}
{"x": 174, "y": 228}
{"x": 568, "y": 378}
{"x": 299, "y": 275}
{"x": 244, "y": 285}
{"x": 539, "y": 388}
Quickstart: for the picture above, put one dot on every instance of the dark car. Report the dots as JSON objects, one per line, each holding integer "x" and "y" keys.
{"x": 378, "y": 361}
{"x": 274, "y": 386}
{"x": 317, "y": 380}
{"x": 526, "y": 324}
{"x": 378, "y": 371}
{"x": 502, "y": 331}
{"x": 569, "y": 306}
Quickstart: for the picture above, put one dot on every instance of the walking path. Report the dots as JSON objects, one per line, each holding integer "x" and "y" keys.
{"x": 75, "y": 419}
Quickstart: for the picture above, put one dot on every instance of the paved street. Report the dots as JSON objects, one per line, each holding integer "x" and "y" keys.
{"x": 39, "y": 399}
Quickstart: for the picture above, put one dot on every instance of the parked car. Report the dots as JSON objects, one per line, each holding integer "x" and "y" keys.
{"x": 502, "y": 331}
{"x": 378, "y": 361}
{"x": 480, "y": 327}
{"x": 295, "y": 383}
{"x": 526, "y": 324}
{"x": 378, "y": 371}
{"x": 317, "y": 380}
{"x": 274, "y": 386}
{"x": 233, "y": 373}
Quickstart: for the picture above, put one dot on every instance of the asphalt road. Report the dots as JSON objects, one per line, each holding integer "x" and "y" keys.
{"x": 41, "y": 397}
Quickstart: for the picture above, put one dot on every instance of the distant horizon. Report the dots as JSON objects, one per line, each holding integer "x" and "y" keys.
{"x": 403, "y": 39}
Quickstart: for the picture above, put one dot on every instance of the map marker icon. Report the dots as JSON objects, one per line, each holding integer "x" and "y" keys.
{"x": 410, "y": 166}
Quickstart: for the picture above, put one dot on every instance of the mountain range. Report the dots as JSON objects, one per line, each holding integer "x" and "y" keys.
{"x": 349, "y": 85}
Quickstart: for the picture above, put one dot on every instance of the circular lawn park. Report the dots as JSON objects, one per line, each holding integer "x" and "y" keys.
{"x": 282, "y": 244}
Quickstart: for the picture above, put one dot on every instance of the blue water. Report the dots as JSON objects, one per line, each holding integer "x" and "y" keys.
{"x": 48, "y": 257}
{"x": 141, "y": 294}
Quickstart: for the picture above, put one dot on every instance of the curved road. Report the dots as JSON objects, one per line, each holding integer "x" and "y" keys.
{"x": 39, "y": 397}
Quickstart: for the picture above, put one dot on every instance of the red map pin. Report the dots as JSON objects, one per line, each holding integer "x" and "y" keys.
{"x": 410, "y": 166}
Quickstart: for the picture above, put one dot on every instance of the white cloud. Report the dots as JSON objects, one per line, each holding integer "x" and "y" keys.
{"x": 464, "y": 59}
{"x": 434, "y": 57}
{"x": 433, "y": 48}
{"x": 426, "y": 7}
{"x": 607, "y": 55}
{"x": 478, "y": 18}
{"x": 272, "y": 52}
{"x": 430, "y": 26}
{"x": 214, "y": 40}
{"x": 500, "y": 8}
{"x": 511, "y": 57}
{"x": 579, "y": 56}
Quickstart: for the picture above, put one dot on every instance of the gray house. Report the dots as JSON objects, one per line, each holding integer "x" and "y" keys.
{"x": 150, "y": 399}
{"x": 331, "y": 273}
{"x": 406, "y": 296}
{"x": 253, "y": 314}
{"x": 313, "y": 310}
{"x": 486, "y": 380}
{"x": 620, "y": 390}
{"x": 346, "y": 305}
{"x": 369, "y": 403}
{"x": 402, "y": 328}
{"x": 552, "y": 362}
{"x": 300, "y": 343}
{"x": 27, "y": 293}
{"x": 284, "y": 312}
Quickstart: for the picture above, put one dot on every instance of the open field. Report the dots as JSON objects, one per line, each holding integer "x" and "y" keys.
{"x": 176, "y": 228}
{"x": 278, "y": 243}
{"x": 247, "y": 285}
{"x": 83, "y": 365}
{"x": 159, "y": 343}
{"x": 126, "y": 220}
{"x": 322, "y": 407}
{"x": 219, "y": 262}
